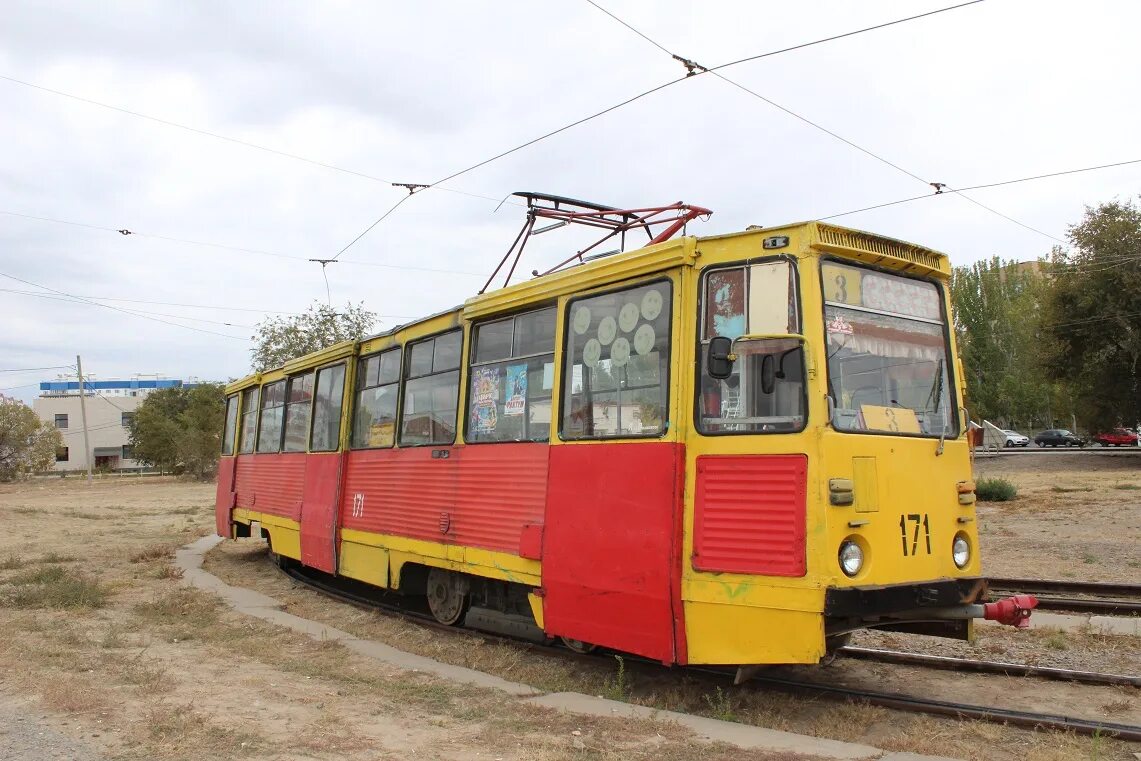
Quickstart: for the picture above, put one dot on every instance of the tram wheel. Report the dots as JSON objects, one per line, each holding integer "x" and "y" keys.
{"x": 578, "y": 646}
{"x": 448, "y": 596}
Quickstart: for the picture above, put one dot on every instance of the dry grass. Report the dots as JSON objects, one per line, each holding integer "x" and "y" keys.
{"x": 52, "y": 587}
{"x": 154, "y": 552}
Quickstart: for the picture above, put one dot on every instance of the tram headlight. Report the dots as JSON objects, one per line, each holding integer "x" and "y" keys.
{"x": 961, "y": 551}
{"x": 851, "y": 558}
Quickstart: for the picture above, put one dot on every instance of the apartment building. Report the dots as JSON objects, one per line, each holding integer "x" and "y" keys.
{"x": 110, "y": 407}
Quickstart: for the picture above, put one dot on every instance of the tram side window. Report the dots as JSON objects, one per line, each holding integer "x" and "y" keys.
{"x": 512, "y": 375}
{"x": 231, "y": 424}
{"x": 327, "y": 409}
{"x": 378, "y": 382}
{"x": 765, "y": 392}
{"x": 431, "y": 391}
{"x": 616, "y": 375}
{"x": 272, "y": 406}
{"x": 298, "y": 408}
{"x": 249, "y": 419}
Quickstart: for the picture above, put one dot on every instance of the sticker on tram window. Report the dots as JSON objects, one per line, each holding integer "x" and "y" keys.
{"x": 842, "y": 285}
{"x": 894, "y": 419}
{"x": 909, "y": 526}
{"x": 889, "y": 293}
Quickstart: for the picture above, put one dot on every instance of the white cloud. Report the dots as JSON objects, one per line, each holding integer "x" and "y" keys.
{"x": 412, "y": 93}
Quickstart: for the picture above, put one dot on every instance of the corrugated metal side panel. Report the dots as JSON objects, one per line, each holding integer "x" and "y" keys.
{"x": 398, "y": 491}
{"x": 749, "y": 514}
{"x": 502, "y": 487}
{"x": 271, "y": 483}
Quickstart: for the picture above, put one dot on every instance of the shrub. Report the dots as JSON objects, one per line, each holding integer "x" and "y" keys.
{"x": 995, "y": 490}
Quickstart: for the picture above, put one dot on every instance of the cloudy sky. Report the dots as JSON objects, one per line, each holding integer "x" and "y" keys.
{"x": 412, "y": 92}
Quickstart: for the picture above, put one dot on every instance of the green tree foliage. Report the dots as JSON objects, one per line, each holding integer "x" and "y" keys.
{"x": 1093, "y": 315}
{"x": 180, "y": 429}
{"x": 27, "y": 444}
{"x": 280, "y": 339}
{"x": 999, "y": 322}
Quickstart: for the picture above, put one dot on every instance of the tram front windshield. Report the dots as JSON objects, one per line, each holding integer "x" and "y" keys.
{"x": 888, "y": 369}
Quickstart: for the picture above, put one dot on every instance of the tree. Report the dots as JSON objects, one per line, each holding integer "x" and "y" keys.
{"x": 999, "y": 324}
{"x": 280, "y": 339}
{"x": 180, "y": 429}
{"x": 27, "y": 444}
{"x": 1093, "y": 315}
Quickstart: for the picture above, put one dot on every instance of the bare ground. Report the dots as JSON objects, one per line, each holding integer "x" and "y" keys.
{"x": 159, "y": 671}
{"x": 106, "y": 651}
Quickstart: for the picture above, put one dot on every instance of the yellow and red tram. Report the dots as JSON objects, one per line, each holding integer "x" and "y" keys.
{"x": 722, "y": 450}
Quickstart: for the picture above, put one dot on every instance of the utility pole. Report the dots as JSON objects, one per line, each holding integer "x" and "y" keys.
{"x": 83, "y": 415}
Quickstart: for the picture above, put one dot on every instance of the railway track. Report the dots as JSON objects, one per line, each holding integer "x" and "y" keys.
{"x": 363, "y": 596}
{"x": 1075, "y": 596}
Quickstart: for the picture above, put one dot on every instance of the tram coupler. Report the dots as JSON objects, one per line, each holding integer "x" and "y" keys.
{"x": 1014, "y": 610}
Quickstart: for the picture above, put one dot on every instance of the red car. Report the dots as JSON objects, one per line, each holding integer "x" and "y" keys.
{"x": 1118, "y": 437}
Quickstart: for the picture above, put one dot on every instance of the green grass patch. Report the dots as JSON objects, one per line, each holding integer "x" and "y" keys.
{"x": 1127, "y": 487}
{"x": 1069, "y": 489}
{"x": 53, "y": 587}
{"x": 995, "y": 490}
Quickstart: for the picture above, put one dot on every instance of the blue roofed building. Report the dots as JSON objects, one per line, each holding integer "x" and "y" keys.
{"x": 110, "y": 406}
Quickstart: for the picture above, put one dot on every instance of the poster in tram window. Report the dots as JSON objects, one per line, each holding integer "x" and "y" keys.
{"x": 516, "y": 390}
{"x": 725, "y": 303}
{"x": 484, "y": 394}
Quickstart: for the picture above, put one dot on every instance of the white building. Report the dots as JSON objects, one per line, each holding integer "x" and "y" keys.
{"x": 110, "y": 406}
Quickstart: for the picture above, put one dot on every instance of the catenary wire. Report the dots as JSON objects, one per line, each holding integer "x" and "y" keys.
{"x": 169, "y": 303}
{"x": 952, "y": 191}
{"x": 66, "y": 299}
{"x": 226, "y": 247}
{"x": 226, "y": 138}
{"x": 811, "y": 123}
{"x": 33, "y": 369}
{"x": 653, "y": 90}
{"x": 124, "y": 311}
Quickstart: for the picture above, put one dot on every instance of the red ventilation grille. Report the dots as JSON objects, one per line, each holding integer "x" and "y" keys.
{"x": 749, "y": 514}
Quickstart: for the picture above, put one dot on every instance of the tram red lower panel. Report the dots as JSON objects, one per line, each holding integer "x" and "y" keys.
{"x": 611, "y": 545}
{"x": 224, "y": 495}
{"x": 478, "y": 496}
{"x": 271, "y": 483}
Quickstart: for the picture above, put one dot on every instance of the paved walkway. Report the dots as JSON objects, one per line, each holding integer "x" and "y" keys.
{"x": 252, "y": 603}
{"x": 26, "y": 735}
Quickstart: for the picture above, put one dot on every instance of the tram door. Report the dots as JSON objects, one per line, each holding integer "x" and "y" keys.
{"x": 611, "y": 545}
{"x": 323, "y": 468}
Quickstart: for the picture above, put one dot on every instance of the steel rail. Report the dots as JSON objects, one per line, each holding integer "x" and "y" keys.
{"x": 883, "y": 699}
{"x": 988, "y": 667}
{"x": 1058, "y": 586}
{"x": 962, "y": 710}
{"x": 1110, "y": 599}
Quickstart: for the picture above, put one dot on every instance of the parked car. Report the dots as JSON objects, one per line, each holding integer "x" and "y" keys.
{"x": 1118, "y": 437}
{"x": 1059, "y": 437}
{"x": 1016, "y": 439}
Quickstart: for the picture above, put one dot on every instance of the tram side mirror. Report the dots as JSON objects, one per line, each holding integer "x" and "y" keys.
{"x": 717, "y": 363}
{"x": 768, "y": 374}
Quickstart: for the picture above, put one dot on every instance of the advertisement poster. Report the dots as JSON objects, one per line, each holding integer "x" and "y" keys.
{"x": 516, "y": 402}
{"x": 484, "y": 393}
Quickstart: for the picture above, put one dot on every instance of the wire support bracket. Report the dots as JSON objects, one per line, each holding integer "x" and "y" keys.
{"x": 412, "y": 187}
{"x": 615, "y": 221}
{"x": 691, "y": 67}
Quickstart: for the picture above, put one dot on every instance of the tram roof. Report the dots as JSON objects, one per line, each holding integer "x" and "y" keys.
{"x": 869, "y": 247}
